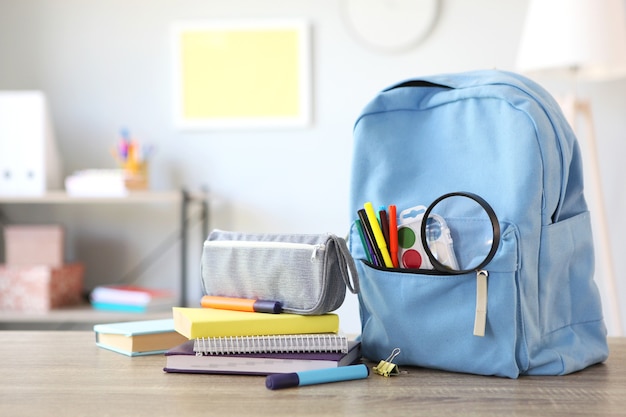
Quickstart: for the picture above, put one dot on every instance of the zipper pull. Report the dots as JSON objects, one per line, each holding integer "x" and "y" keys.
{"x": 480, "y": 319}
{"x": 315, "y": 249}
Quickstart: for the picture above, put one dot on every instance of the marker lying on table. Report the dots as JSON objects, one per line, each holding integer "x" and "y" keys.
{"x": 241, "y": 304}
{"x": 317, "y": 376}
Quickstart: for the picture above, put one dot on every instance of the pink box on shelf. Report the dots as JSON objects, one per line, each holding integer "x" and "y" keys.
{"x": 40, "y": 288}
{"x": 33, "y": 245}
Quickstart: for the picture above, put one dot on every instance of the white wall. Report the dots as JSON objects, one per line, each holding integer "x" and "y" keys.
{"x": 106, "y": 64}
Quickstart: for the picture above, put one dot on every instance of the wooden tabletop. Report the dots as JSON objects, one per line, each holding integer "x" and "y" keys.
{"x": 66, "y": 374}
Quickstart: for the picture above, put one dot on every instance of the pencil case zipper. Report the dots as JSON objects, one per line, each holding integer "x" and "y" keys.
{"x": 251, "y": 244}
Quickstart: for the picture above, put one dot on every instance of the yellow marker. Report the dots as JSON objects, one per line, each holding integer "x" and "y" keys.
{"x": 378, "y": 234}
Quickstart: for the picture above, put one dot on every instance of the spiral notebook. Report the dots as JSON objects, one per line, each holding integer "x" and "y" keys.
{"x": 296, "y": 343}
{"x": 182, "y": 359}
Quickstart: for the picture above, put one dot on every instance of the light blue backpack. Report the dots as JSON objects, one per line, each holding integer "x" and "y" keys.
{"x": 502, "y": 137}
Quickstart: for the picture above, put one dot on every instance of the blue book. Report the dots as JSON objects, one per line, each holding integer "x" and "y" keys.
{"x": 137, "y": 338}
{"x": 129, "y": 298}
{"x": 124, "y": 308}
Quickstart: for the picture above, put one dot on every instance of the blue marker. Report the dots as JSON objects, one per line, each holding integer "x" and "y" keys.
{"x": 317, "y": 376}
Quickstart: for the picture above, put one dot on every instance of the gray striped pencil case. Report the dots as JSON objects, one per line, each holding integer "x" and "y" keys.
{"x": 307, "y": 273}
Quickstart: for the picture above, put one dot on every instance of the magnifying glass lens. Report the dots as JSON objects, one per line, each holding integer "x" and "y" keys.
{"x": 440, "y": 242}
{"x": 459, "y": 232}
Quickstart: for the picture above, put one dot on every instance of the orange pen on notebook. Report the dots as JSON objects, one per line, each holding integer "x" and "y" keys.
{"x": 241, "y": 304}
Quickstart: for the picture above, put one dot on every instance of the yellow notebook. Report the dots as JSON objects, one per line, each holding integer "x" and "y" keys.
{"x": 194, "y": 322}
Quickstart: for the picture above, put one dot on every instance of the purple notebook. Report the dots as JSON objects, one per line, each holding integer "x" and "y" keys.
{"x": 183, "y": 359}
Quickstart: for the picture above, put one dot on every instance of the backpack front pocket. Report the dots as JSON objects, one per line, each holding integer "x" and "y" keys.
{"x": 430, "y": 316}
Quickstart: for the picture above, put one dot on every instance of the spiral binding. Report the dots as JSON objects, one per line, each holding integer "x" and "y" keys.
{"x": 322, "y": 342}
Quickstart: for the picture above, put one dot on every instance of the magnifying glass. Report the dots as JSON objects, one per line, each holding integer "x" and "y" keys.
{"x": 460, "y": 233}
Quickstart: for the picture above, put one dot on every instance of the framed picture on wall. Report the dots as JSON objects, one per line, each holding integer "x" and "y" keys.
{"x": 241, "y": 74}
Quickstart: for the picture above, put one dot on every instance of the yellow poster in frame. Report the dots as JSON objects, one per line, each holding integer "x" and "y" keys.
{"x": 242, "y": 74}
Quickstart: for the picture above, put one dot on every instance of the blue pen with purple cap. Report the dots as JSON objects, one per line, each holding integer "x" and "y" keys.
{"x": 317, "y": 376}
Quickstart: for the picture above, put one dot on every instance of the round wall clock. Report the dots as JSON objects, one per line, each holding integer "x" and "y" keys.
{"x": 390, "y": 25}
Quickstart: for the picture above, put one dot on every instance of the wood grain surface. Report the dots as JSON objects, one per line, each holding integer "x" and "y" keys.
{"x": 65, "y": 374}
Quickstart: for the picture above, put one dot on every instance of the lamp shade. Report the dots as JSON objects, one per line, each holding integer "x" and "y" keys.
{"x": 585, "y": 36}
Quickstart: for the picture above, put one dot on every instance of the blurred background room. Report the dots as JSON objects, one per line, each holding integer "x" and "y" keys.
{"x": 108, "y": 68}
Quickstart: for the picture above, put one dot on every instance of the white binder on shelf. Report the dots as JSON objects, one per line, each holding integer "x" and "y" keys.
{"x": 29, "y": 159}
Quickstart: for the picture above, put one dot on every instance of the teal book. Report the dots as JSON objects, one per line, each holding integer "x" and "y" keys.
{"x": 131, "y": 298}
{"x": 137, "y": 338}
{"x": 125, "y": 308}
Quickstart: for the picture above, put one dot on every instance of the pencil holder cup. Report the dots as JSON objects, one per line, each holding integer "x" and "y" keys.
{"x": 136, "y": 175}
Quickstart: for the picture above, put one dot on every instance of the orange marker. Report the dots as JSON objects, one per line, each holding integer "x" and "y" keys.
{"x": 241, "y": 304}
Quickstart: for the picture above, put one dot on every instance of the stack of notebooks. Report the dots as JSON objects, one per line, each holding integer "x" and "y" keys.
{"x": 239, "y": 342}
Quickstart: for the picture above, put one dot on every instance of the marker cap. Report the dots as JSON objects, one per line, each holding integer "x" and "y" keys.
{"x": 278, "y": 381}
{"x": 266, "y": 306}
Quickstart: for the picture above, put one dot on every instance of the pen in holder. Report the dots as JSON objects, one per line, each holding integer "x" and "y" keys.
{"x": 133, "y": 160}
{"x": 135, "y": 175}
